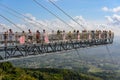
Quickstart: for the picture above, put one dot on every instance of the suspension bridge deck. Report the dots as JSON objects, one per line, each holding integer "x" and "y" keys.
{"x": 18, "y": 51}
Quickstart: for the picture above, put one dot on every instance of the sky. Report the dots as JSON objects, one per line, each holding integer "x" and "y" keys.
{"x": 87, "y": 12}
{"x": 90, "y": 10}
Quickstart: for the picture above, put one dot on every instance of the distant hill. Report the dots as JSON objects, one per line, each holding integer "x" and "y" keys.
{"x": 9, "y": 72}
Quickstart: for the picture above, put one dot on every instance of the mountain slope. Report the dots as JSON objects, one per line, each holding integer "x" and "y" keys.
{"x": 9, "y": 72}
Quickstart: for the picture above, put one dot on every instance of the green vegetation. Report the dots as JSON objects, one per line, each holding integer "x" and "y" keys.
{"x": 9, "y": 72}
{"x": 87, "y": 65}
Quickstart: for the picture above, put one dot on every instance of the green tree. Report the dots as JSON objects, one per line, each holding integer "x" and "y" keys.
{"x": 6, "y": 66}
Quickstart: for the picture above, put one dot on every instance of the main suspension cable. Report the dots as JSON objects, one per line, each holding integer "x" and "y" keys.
{"x": 11, "y": 22}
{"x": 53, "y": 14}
{"x": 21, "y": 19}
{"x": 23, "y": 15}
{"x": 66, "y": 14}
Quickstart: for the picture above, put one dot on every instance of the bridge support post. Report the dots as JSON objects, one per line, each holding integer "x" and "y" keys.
{"x": 5, "y": 52}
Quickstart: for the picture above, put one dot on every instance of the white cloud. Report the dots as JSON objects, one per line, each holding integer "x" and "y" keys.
{"x": 117, "y": 17}
{"x": 109, "y": 18}
{"x": 113, "y": 22}
{"x": 115, "y": 10}
{"x": 114, "y": 19}
{"x": 55, "y": 24}
{"x": 80, "y": 20}
{"x": 45, "y": 24}
{"x": 105, "y": 9}
{"x": 30, "y": 16}
{"x": 22, "y": 26}
{"x": 3, "y": 27}
{"x": 34, "y": 23}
